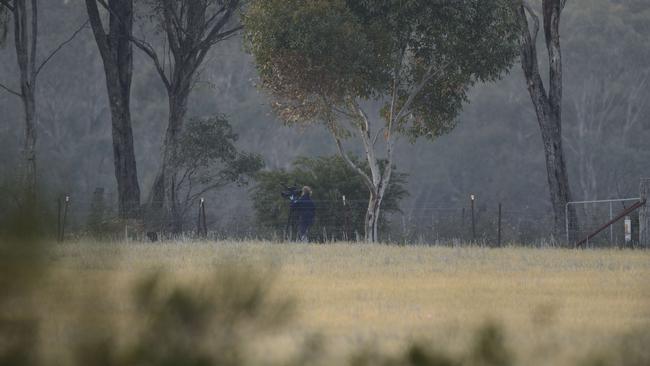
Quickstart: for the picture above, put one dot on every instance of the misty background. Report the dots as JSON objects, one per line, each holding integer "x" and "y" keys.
{"x": 495, "y": 152}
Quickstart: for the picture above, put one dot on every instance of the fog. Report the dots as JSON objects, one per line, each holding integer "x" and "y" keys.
{"x": 495, "y": 152}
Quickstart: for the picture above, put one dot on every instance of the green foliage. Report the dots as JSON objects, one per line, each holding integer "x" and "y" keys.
{"x": 208, "y": 158}
{"x": 331, "y": 179}
{"x": 316, "y": 57}
{"x": 488, "y": 348}
{"x": 202, "y": 324}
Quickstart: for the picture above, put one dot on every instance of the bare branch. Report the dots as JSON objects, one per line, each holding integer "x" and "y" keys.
{"x": 393, "y": 99}
{"x": 98, "y": 28}
{"x": 60, "y": 46}
{"x": 103, "y": 4}
{"x": 533, "y": 15}
{"x": 149, "y": 51}
{"x": 215, "y": 15}
{"x": 172, "y": 37}
{"x": 364, "y": 134}
{"x": 344, "y": 113}
{"x": 562, "y": 4}
{"x": 374, "y": 139}
{"x": 7, "y": 4}
{"x": 346, "y": 158}
{"x": 428, "y": 75}
{"x": 219, "y": 184}
{"x": 11, "y": 91}
{"x": 220, "y": 37}
{"x": 34, "y": 35}
{"x": 529, "y": 61}
{"x": 215, "y": 33}
{"x": 227, "y": 34}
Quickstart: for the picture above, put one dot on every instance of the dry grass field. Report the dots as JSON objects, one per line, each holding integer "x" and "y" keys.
{"x": 555, "y": 306}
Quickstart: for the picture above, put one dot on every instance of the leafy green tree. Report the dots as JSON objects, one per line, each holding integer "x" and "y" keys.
{"x": 331, "y": 179}
{"x": 378, "y": 69}
{"x": 209, "y": 160}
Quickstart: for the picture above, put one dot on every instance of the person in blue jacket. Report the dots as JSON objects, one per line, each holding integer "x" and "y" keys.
{"x": 305, "y": 211}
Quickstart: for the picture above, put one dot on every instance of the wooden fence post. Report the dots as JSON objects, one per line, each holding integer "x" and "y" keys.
{"x": 499, "y": 228}
{"x": 644, "y": 214}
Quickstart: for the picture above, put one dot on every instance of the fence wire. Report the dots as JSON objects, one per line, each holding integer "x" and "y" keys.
{"x": 335, "y": 221}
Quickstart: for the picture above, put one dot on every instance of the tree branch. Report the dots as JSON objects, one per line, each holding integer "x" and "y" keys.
{"x": 103, "y": 4}
{"x": 364, "y": 134}
{"x": 34, "y": 35}
{"x": 11, "y": 90}
{"x": 346, "y": 158}
{"x": 60, "y": 46}
{"x": 149, "y": 51}
{"x": 531, "y": 12}
{"x": 562, "y": 4}
{"x": 393, "y": 100}
{"x": 98, "y": 28}
{"x": 374, "y": 139}
{"x": 220, "y": 37}
{"x": 429, "y": 74}
{"x": 7, "y": 4}
{"x": 172, "y": 37}
{"x": 215, "y": 15}
{"x": 219, "y": 184}
{"x": 529, "y": 61}
{"x": 215, "y": 33}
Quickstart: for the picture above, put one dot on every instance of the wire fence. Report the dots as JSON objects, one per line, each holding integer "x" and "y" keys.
{"x": 591, "y": 218}
{"x": 338, "y": 220}
{"x": 334, "y": 221}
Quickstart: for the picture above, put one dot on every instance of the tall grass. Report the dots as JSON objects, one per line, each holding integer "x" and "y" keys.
{"x": 257, "y": 303}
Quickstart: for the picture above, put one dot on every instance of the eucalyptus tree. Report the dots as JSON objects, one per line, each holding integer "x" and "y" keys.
{"x": 376, "y": 70}
{"x": 115, "y": 48}
{"x": 24, "y": 16}
{"x": 548, "y": 102}
{"x": 191, "y": 28}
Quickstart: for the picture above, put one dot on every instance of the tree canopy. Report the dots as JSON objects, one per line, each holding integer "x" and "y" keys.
{"x": 411, "y": 62}
{"x": 318, "y": 56}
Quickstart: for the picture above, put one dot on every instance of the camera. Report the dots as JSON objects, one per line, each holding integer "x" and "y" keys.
{"x": 291, "y": 193}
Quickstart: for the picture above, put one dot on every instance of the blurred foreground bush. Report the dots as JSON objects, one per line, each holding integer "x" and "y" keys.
{"x": 22, "y": 265}
{"x": 203, "y": 324}
{"x": 487, "y": 349}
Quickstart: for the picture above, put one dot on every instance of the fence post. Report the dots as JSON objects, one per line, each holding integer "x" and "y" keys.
{"x": 65, "y": 215}
{"x": 566, "y": 222}
{"x": 611, "y": 227}
{"x": 644, "y": 214}
{"x": 472, "y": 197}
{"x": 201, "y": 226}
{"x": 205, "y": 223}
{"x": 58, "y": 219}
{"x": 499, "y": 228}
{"x": 462, "y": 225}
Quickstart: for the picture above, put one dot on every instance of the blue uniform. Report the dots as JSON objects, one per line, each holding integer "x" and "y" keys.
{"x": 305, "y": 210}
